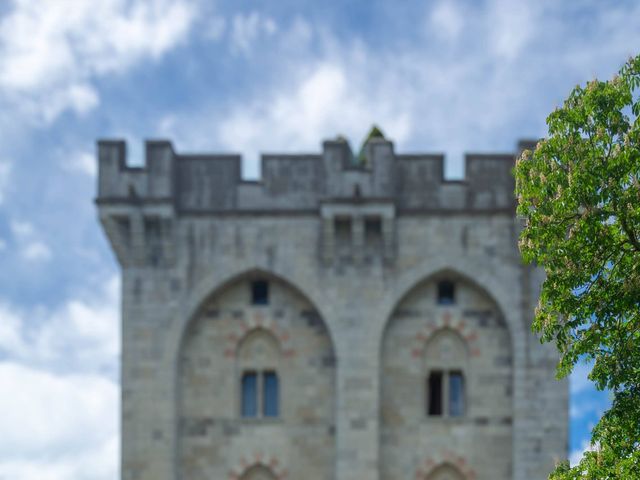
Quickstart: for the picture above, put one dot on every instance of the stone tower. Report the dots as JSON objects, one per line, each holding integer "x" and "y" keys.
{"x": 343, "y": 318}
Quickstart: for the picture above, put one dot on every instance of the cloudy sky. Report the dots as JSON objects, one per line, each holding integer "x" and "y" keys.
{"x": 443, "y": 76}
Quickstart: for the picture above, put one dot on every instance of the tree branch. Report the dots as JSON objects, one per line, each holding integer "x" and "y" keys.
{"x": 630, "y": 234}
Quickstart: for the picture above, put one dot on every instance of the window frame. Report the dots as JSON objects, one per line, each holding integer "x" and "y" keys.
{"x": 243, "y": 397}
{"x": 445, "y": 393}
{"x": 450, "y": 375}
{"x": 260, "y": 394}
{"x": 274, "y": 375}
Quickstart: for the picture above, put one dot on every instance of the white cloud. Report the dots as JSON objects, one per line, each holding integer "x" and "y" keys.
{"x": 576, "y": 455}
{"x": 51, "y": 51}
{"x": 57, "y": 427}
{"x": 22, "y": 229}
{"x": 325, "y": 101}
{"x": 10, "y": 332}
{"x": 586, "y": 400}
{"x": 61, "y": 400}
{"x": 214, "y": 28}
{"x": 423, "y": 96}
{"x": 247, "y": 29}
{"x": 36, "y": 251}
{"x": 5, "y": 172}
{"x": 78, "y": 97}
{"x": 80, "y": 335}
{"x": 31, "y": 247}
{"x": 446, "y": 20}
{"x": 81, "y": 162}
{"x": 511, "y": 26}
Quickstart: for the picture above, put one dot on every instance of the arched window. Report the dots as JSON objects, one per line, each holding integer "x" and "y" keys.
{"x": 258, "y": 472}
{"x": 258, "y": 363}
{"x": 445, "y": 365}
{"x": 445, "y": 472}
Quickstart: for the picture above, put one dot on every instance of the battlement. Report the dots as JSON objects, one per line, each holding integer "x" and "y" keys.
{"x": 206, "y": 183}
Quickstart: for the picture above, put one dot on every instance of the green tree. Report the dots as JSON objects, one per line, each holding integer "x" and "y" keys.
{"x": 579, "y": 195}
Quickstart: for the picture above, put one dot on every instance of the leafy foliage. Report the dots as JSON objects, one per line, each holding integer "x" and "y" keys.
{"x": 375, "y": 132}
{"x": 579, "y": 194}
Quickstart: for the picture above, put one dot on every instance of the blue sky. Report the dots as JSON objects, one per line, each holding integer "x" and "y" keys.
{"x": 442, "y": 76}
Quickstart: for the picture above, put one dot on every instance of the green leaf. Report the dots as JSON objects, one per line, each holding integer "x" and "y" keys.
{"x": 579, "y": 195}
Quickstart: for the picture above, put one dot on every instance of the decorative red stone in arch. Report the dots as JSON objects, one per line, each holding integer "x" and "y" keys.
{"x": 258, "y": 459}
{"x": 431, "y": 465}
{"x": 245, "y": 327}
{"x": 471, "y": 337}
{"x": 467, "y": 331}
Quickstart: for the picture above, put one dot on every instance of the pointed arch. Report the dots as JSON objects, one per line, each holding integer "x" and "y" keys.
{"x": 259, "y": 346}
{"x": 450, "y": 275}
{"x": 435, "y": 355}
{"x": 243, "y": 363}
{"x": 198, "y": 301}
{"x": 446, "y": 348}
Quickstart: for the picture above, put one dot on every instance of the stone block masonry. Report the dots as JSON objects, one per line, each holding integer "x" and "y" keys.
{"x": 343, "y": 318}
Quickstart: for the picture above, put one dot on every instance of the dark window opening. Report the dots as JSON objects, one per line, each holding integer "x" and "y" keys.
{"x": 446, "y": 293}
{"x": 435, "y": 393}
{"x": 373, "y": 231}
{"x": 260, "y": 292}
{"x": 249, "y": 407}
{"x": 342, "y": 229}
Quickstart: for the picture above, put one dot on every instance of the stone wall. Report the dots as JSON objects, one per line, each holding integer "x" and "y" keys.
{"x": 185, "y": 313}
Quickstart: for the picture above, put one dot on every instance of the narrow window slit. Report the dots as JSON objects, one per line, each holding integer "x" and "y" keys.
{"x": 446, "y": 293}
{"x": 260, "y": 292}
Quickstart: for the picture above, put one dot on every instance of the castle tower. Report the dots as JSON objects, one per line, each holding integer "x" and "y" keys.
{"x": 344, "y": 318}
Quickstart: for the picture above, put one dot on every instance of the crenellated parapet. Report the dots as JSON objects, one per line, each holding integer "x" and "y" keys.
{"x": 357, "y": 198}
{"x": 213, "y": 183}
